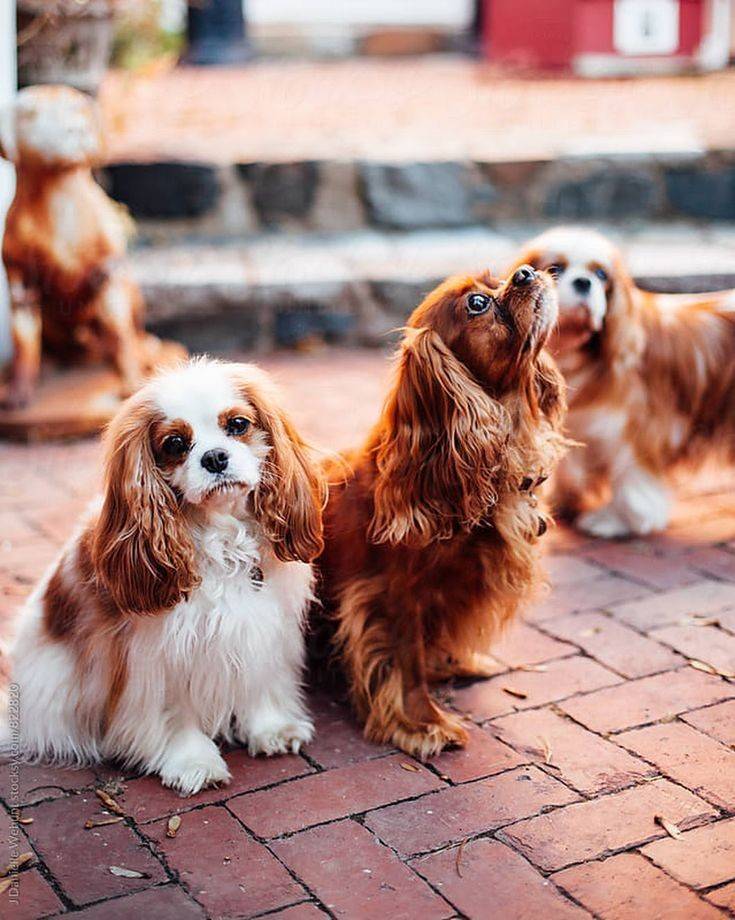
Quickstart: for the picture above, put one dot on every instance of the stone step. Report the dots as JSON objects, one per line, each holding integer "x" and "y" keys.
{"x": 330, "y": 146}
{"x": 281, "y": 289}
{"x": 199, "y": 200}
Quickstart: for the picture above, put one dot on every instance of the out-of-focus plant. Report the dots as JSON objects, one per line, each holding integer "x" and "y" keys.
{"x": 42, "y": 13}
{"x": 141, "y": 38}
{"x": 65, "y": 41}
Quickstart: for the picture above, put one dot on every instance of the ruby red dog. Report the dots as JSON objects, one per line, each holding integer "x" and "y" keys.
{"x": 431, "y": 533}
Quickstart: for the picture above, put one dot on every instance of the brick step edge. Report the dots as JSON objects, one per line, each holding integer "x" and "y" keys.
{"x": 359, "y": 287}
{"x": 184, "y": 199}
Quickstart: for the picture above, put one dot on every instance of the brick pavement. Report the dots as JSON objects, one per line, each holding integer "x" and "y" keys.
{"x": 555, "y": 808}
{"x": 442, "y": 108}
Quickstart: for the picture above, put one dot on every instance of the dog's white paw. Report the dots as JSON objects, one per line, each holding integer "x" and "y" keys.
{"x": 605, "y": 523}
{"x": 193, "y": 765}
{"x": 280, "y": 737}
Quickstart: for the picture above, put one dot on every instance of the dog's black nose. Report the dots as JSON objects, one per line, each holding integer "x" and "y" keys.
{"x": 524, "y": 275}
{"x": 215, "y": 461}
{"x": 582, "y": 285}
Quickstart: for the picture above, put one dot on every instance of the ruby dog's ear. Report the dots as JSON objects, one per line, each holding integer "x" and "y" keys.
{"x": 623, "y": 340}
{"x": 291, "y": 495}
{"x": 442, "y": 447}
{"x": 548, "y": 390}
{"x": 141, "y": 549}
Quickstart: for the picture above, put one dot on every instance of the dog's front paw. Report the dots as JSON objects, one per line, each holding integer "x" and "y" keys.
{"x": 280, "y": 737}
{"x": 193, "y": 765}
{"x": 605, "y": 523}
{"x": 431, "y": 738}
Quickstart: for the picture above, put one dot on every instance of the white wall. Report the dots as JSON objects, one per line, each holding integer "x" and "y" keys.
{"x": 448, "y": 13}
{"x": 7, "y": 178}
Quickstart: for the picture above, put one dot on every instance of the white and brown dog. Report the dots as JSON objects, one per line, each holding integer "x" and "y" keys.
{"x": 175, "y": 615}
{"x": 64, "y": 246}
{"x": 651, "y": 383}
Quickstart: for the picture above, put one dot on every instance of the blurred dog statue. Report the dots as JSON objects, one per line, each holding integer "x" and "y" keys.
{"x": 64, "y": 247}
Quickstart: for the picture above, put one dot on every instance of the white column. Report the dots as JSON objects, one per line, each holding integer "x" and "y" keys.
{"x": 7, "y": 176}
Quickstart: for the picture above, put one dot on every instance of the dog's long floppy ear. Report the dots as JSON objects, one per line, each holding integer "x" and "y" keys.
{"x": 441, "y": 447}
{"x": 141, "y": 549}
{"x": 291, "y": 495}
{"x": 549, "y": 390}
{"x": 623, "y": 339}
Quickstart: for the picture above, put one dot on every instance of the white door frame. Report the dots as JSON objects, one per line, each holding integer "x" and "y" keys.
{"x": 7, "y": 174}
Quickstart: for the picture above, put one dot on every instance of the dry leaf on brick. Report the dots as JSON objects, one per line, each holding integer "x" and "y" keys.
{"x": 411, "y": 767}
{"x": 101, "y": 822}
{"x": 16, "y": 864}
{"x": 546, "y": 749}
{"x": 128, "y": 873}
{"x": 458, "y": 857}
{"x": 519, "y": 694}
{"x": 25, "y": 820}
{"x": 5, "y": 884}
{"x": 671, "y": 829}
{"x": 109, "y": 803}
{"x": 699, "y": 621}
{"x": 711, "y": 669}
{"x": 173, "y": 825}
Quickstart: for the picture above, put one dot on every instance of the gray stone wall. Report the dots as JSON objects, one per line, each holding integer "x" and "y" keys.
{"x": 180, "y": 200}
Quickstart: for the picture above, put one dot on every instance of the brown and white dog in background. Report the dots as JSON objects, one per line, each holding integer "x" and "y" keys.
{"x": 64, "y": 246}
{"x": 651, "y": 382}
{"x": 431, "y": 527}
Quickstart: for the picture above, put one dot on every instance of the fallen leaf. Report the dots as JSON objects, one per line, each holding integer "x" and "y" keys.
{"x": 25, "y": 820}
{"x": 591, "y": 632}
{"x": 5, "y": 884}
{"x": 109, "y": 803}
{"x": 412, "y": 768}
{"x": 128, "y": 873}
{"x": 519, "y": 694}
{"x": 101, "y": 822}
{"x": 702, "y": 666}
{"x": 711, "y": 669}
{"x": 536, "y": 668}
{"x": 458, "y": 857}
{"x": 699, "y": 621}
{"x": 16, "y": 864}
{"x": 547, "y": 750}
{"x": 174, "y": 823}
{"x": 671, "y": 829}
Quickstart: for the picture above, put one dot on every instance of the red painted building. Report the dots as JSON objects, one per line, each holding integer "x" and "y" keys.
{"x": 608, "y": 37}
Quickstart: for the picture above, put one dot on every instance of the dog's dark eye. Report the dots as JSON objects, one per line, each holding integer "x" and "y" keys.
{"x": 478, "y": 303}
{"x": 237, "y": 425}
{"x": 556, "y": 270}
{"x": 601, "y": 274}
{"x": 175, "y": 446}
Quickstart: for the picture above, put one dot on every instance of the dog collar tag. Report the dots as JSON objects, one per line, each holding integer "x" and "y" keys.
{"x": 256, "y": 577}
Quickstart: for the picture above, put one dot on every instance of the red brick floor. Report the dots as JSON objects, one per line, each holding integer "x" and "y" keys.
{"x": 557, "y": 809}
{"x": 441, "y": 108}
